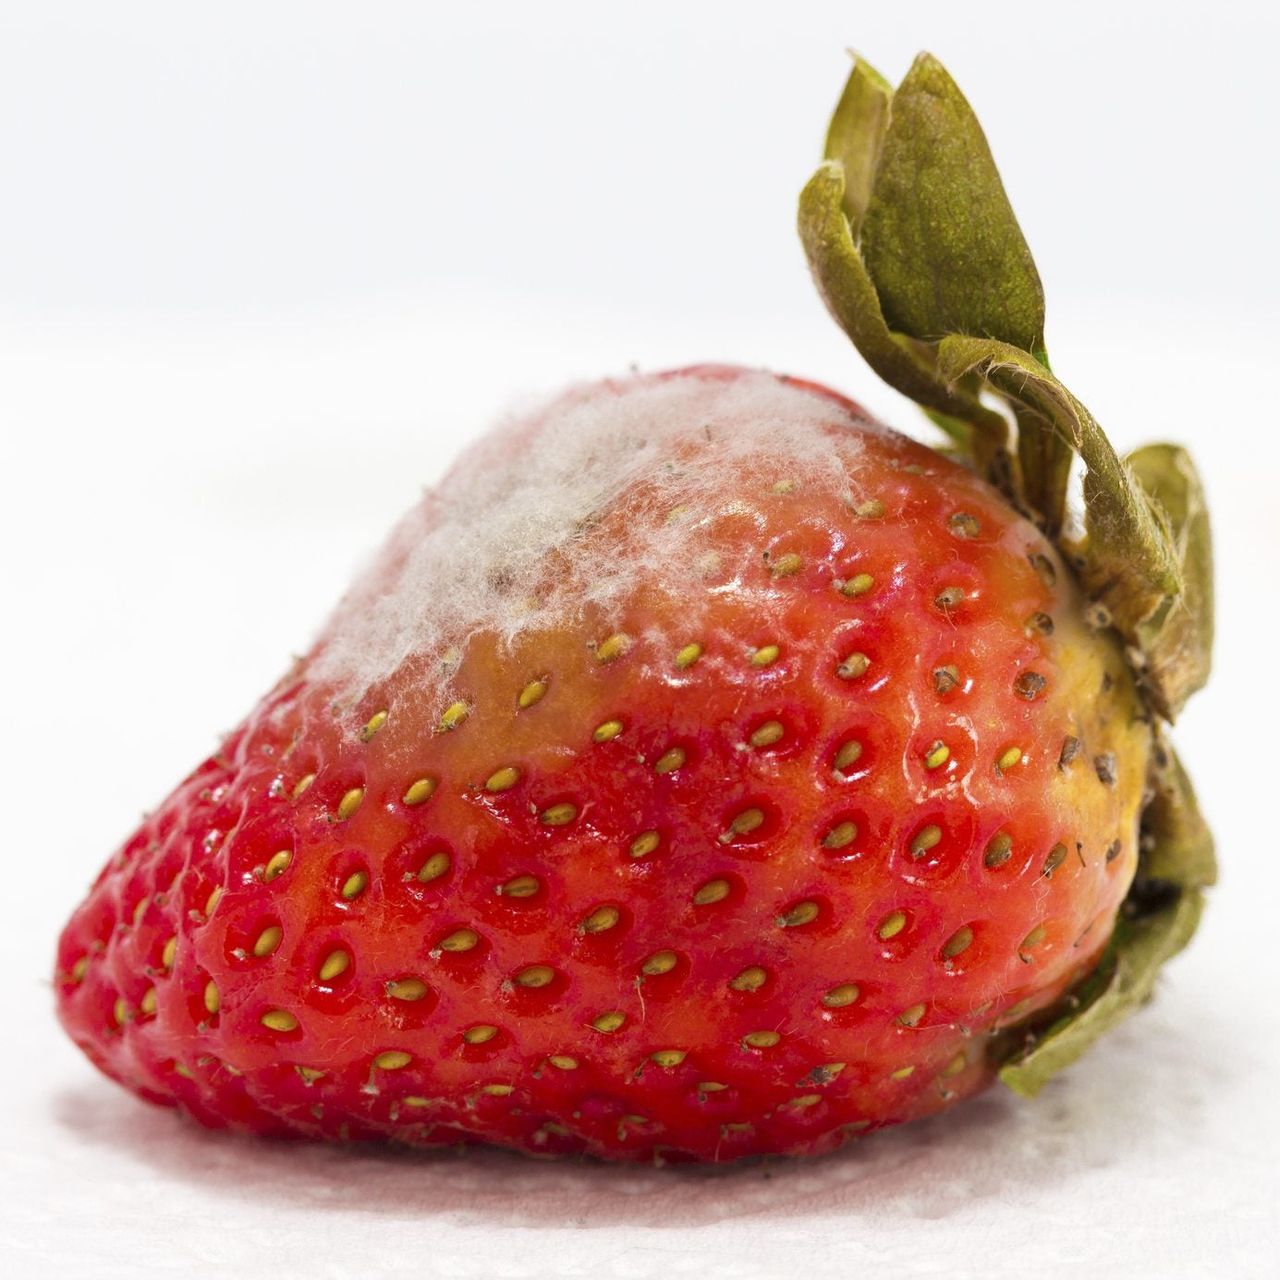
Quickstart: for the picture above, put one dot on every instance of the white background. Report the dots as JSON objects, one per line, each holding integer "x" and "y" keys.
{"x": 264, "y": 267}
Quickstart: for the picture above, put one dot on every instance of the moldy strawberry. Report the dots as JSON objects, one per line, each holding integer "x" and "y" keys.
{"x": 704, "y": 770}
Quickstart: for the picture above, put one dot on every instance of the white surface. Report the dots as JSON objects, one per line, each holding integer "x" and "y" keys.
{"x": 252, "y": 301}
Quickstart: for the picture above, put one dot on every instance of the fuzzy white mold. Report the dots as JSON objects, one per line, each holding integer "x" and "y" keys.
{"x": 473, "y": 555}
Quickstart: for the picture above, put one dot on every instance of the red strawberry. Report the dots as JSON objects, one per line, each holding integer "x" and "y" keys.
{"x": 703, "y": 769}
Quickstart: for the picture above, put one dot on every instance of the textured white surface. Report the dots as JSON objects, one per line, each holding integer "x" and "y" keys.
{"x": 184, "y": 493}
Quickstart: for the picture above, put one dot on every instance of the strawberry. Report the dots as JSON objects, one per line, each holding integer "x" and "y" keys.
{"x": 703, "y": 770}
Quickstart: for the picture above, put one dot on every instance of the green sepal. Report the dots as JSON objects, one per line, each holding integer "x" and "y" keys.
{"x": 1127, "y": 560}
{"x": 906, "y": 365}
{"x": 939, "y": 237}
{"x": 1177, "y": 641}
{"x": 1120, "y": 985}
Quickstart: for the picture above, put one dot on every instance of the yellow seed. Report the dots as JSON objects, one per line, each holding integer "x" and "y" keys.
{"x": 415, "y": 1100}
{"x": 765, "y": 656}
{"x": 408, "y": 989}
{"x": 536, "y": 975}
{"x": 842, "y": 834}
{"x": 848, "y": 754}
{"x": 1033, "y": 939}
{"x": 480, "y": 1034}
{"x": 268, "y": 940}
{"x": 670, "y": 760}
{"x": 354, "y": 885}
{"x": 660, "y": 962}
{"x": 120, "y": 1011}
{"x": 870, "y": 510}
{"x": 858, "y": 585}
{"x": 434, "y": 867}
{"x": 688, "y": 656}
{"x": 212, "y": 1000}
{"x": 497, "y": 1090}
{"x": 614, "y": 647}
{"x": 955, "y": 1066}
{"x": 140, "y": 910}
{"x": 901, "y": 1074}
{"x": 911, "y": 1015}
{"x": 609, "y": 1022}
{"x": 607, "y": 731}
{"x": 958, "y": 942}
{"x": 212, "y": 901}
{"x": 750, "y": 979}
{"x": 334, "y": 965}
{"x": 743, "y": 824}
{"x": 937, "y": 755}
{"x": 644, "y": 844}
{"x": 806, "y": 1100}
{"x": 668, "y": 1057}
{"x": 520, "y": 887}
{"x": 166, "y": 956}
{"x": 302, "y": 784}
{"x": 802, "y": 913}
{"x": 420, "y": 791}
{"x": 376, "y": 721}
{"x": 948, "y": 598}
{"x": 309, "y": 1074}
{"x": 559, "y": 815}
{"x": 460, "y": 940}
{"x": 767, "y": 734}
{"x": 533, "y": 692}
{"x": 761, "y": 1039}
{"x": 392, "y": 1059}
{"x": 453, "y": 716}
{"x": 1057, "y": 856}
{"x": 184, "y": 1072}
{"x": 1009, "y": 759}
{"x": 711, "y": 1086}
{"x": 785, "y": 565}
{"x": 503, "y": 779}
{"x": 279, "y": 1020}
{"x": 350, "y": 803}
{"x": 277, "y": 864}
{"x": 842, "y": 996}
{"x": 81, "y": 966}
{"x": 925, "y": 839}
{"x": 711, "y": 892}
{"x": 563, "y": 1062}
{"x": 853, "y": 666}
{"x": 892, "y": 925}
{"x": 601, "y": 919}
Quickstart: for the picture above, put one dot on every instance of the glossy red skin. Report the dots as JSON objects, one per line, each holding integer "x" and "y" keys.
{"x": 219, "y": 829}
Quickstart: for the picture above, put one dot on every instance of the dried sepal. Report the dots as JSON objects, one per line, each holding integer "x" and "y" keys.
{"x": 855, "y": 135}
{"x": 1158, "y": 919}
{"x": 1127, "y": 560}
{"x": 1120, "y": 985}
{"x": 1177, "y": 843}
{"x": 1176, "y": 642}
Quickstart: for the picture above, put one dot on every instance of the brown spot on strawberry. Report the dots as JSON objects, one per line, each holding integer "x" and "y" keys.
{"x": 945, "y": 679}
{"x": 1029, "y": 685}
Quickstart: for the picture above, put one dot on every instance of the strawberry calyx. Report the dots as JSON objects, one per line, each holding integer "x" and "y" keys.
{"x": 918, "y": 256}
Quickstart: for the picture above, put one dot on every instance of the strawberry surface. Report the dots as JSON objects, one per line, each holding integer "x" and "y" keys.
{"x": 703, "y": 770}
